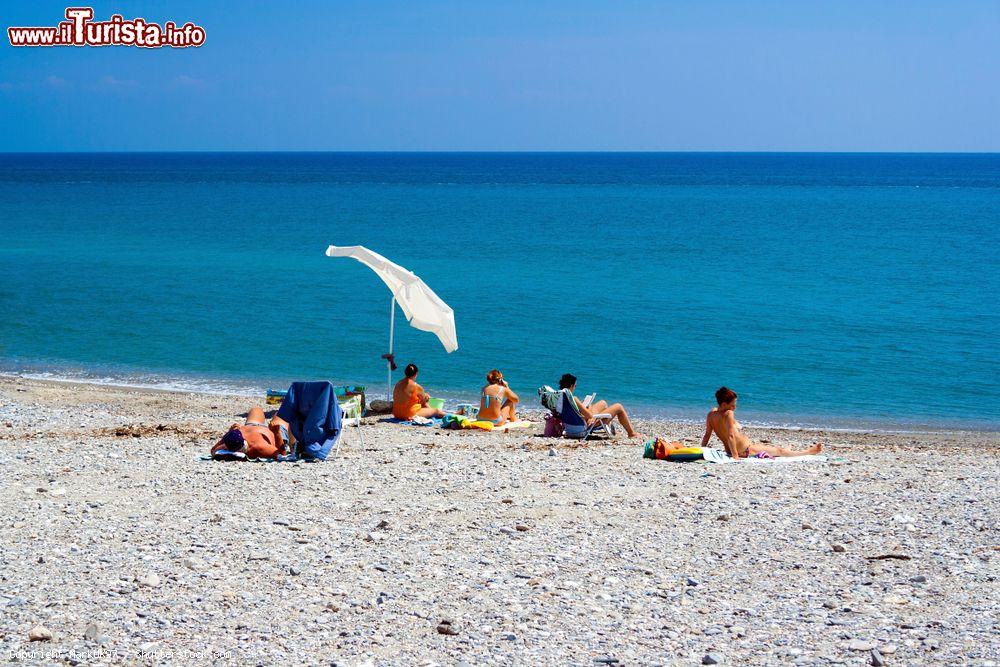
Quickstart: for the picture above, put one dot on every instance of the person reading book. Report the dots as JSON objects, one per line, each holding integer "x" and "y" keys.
{"x": 588, "y": 409}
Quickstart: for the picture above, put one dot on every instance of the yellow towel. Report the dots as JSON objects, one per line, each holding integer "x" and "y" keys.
{"x": 510, "y": 425}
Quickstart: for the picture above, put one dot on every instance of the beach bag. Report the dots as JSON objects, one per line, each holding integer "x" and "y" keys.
{"x": 553, "y": 427}
{"x": 347, "y": 393}
{"x": 662, "y": 450}
{"x": 657, "y": 448}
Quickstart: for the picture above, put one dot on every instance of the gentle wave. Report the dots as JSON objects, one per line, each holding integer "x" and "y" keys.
{"x": 180, "y": 385}
{"x": 257, "y": 390}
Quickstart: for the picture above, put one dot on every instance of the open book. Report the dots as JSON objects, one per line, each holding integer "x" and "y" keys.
{"x": 589, "y": 399}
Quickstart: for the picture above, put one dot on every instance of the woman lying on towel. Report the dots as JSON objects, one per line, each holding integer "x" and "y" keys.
{"x": 722, "y": 422}
{"x": 409, "y": 399}
{"x": 498, "y": 402}
{"x": 568, "y": 381}
{"x": 253, "y": 438}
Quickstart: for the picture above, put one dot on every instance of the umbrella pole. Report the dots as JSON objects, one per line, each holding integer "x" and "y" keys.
{"x": 392, "y": 326}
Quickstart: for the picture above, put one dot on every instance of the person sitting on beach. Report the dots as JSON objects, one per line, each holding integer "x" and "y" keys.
{"x": 254, "y": 438}
{"x": 409, "y": 399}
{"x": 568, "y": 381}
{"x": 722, "y": 422}
{"x": 498, "y": 402}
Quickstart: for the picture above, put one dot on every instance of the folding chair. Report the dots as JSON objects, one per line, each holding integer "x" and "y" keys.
{"x": 575, "y": 426}
{"x": 351, "y": 410}
{"x": 314, "y": 417}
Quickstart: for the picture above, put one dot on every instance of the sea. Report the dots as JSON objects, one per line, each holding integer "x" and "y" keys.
{"x": 847, "y": 291}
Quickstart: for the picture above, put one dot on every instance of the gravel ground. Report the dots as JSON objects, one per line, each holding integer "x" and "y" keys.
{"x": 119, "y": 545}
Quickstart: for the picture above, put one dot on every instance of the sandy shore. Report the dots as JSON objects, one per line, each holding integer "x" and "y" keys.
{"x": 128, "y": 548}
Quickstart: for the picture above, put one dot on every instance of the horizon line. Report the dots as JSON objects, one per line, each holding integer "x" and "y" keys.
{"x": 503, "y": 152}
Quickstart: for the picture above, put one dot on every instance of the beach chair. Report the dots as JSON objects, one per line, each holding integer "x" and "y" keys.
{"x": 575, "y": 426}
{"x": 314, "y": 418}
{"x": 551, "y": 400}
{"x": 351, "y": 410}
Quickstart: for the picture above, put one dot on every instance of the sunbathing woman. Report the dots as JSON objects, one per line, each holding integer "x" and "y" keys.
{"x": 255, "y": 439}
{"x": 498, "y": 403}
{"x": 568, "y": 381}
{"x": 409, "y": 399}
{"x": 722, "y": 422}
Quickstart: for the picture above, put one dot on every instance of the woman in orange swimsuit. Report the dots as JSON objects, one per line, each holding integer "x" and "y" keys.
{"x": 409, "y": 399}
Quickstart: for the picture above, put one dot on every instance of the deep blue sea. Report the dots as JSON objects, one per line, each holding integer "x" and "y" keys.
{"x": 847, "y": 290}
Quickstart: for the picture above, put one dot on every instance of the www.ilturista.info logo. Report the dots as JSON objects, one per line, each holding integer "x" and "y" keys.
{"x": 80, "y": 30}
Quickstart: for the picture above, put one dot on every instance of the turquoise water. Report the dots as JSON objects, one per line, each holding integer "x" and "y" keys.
{"x": 835, "y": 289}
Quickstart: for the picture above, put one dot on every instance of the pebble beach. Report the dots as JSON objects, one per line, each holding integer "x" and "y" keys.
{"x": 420, "y": 546}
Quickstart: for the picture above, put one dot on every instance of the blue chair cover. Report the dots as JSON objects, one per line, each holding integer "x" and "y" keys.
{"x": 314, "y": 415}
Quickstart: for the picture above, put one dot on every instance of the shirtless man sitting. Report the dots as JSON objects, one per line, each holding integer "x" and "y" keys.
{"x": 722, "y": 422}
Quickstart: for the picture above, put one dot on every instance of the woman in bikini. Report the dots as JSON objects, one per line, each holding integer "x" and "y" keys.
{"x": 722, "y": 422}
{"x": 254, "y": 438}
{"x": 498, "y": 402}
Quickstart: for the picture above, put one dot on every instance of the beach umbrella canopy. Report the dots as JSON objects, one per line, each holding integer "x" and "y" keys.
{"x": 423, "y": 308}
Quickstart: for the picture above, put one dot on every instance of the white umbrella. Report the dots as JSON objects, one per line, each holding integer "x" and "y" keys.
{"x": 423, "y": 308}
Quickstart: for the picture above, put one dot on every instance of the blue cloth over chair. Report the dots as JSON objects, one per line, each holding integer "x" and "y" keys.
{"x": 314, "y": 415}
{"x": 574, "y": 425}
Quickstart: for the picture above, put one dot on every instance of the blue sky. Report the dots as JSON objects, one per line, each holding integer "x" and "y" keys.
{"x": 698, "y": 75}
